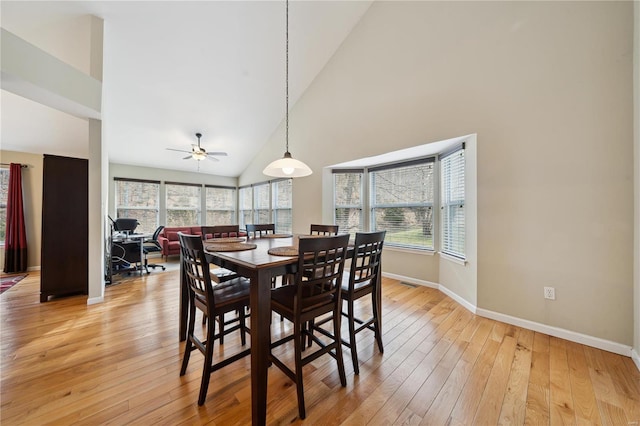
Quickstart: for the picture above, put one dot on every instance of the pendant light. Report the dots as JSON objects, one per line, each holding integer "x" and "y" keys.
{"x": 287, "y": 166}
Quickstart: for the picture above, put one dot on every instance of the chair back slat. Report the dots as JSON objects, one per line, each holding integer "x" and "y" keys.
{"x": 365, "y": 264}
{"x": 220, "y": 231}
{"x": 316, "y": 229}
{"x": 196, "y": 267}
{"x": 320, "y": 268}
{"x": 258, "y": 230}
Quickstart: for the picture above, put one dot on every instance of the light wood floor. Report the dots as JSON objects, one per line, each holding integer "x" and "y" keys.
{"x": 118, "y": 362}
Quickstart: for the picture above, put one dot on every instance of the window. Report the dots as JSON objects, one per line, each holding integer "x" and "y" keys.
{"x": 402, "y": 203}
{"x": 348, "y": 200}
{"x": 138, "y": 199}
{"x": 4, "y": 195}
{"x": 452, "y": 203}
{"x": 281, "y": 196}
{"x": 183, "y": 204}
{"x": 221, "y": 205}
{"x": 261, "y": 203}
{"x": 245, "y": 205}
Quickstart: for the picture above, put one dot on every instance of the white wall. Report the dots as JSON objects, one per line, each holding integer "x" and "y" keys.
{"x": 636, "y": 121}
{"x": 547, "y": 88}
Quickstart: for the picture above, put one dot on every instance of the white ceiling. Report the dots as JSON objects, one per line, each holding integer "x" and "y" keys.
{"x": 174, "y": 68}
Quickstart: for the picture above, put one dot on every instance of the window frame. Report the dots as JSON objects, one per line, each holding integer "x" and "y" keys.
{"x": 233, "y": 211}
{"x": 447, "y": 203}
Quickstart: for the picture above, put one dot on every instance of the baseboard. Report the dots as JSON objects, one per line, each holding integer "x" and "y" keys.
{"x": 573, "y": 336}
{"x": 33, "y": 268}
{"x": 95, "y": 300}
{"x": 562, "y": 333}
{"x": 636, "y": 358}
{"x": 410, "y": 280}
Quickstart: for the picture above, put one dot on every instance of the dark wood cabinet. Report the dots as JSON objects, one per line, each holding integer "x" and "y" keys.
{"x": 64, "y": 264}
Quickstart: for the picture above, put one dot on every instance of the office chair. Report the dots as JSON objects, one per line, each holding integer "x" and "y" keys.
{"x": 152, "y": 246}
{"x": 124, "y": 224}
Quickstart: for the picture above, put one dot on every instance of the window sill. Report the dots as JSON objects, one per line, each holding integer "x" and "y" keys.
{"x": 410, "y": 250}
{"x": 453, "y": 259}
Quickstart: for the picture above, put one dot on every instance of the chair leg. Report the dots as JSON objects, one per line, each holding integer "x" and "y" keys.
{"x": 243, "y": 336}
{"x": 208, "y": 358}
{"x": 337, "y": 316}
{"x": 188, "y": 347}
{"x": 352, "y": 337}
{"x": 299, "y": 343}
{"x": 377, "y": 326}
{"x": 221, "y": 328}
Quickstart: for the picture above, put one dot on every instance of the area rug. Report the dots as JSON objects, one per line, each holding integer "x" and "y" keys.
{"x": 8, "y": 281}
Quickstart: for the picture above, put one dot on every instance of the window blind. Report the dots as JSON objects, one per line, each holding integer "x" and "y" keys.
{"x": 261, "y": 203}
{"x": 281, "y": 195}
{"x": 183, "y": 204}
{"x": 402, "y": 197}
{"x": 221, "y": 205}
{"x": 138, "y": 199}
{"x": 245, "y": 205}
{"x": 452, "y": 203}
{"x": 348, "y": 200}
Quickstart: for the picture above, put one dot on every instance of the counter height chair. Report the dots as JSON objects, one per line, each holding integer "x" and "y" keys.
{"x": 363, "y": 279}
{"x": 315, "y": 292}
{"x": 324, "y": 230}
{"x": 222, "y": 274}
{"x": 258, "y": 230}
{"x": 213, "y": 298}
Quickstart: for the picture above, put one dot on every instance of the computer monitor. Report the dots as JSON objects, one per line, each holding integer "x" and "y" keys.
{"x": 124, "y": 224}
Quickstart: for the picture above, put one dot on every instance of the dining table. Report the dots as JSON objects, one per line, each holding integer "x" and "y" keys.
{"x": 256, "y": 264}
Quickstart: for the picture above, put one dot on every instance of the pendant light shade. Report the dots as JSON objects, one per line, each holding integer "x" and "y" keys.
{"x": 287, "y": 167}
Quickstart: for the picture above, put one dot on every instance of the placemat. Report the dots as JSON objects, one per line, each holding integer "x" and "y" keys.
{"x": 229, "y": 246}
{"x": 283, "y": 251}
{"x": 276, "y": 236}
{"x": 225, "y": 240}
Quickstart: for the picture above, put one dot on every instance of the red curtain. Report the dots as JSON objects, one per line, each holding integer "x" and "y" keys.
{"x": 15, "y": 243}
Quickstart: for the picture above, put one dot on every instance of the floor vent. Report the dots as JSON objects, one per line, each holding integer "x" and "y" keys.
{"x": 408, "y": 284}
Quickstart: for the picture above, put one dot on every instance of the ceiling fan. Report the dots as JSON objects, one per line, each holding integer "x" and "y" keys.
{"x": 199, "y": 153}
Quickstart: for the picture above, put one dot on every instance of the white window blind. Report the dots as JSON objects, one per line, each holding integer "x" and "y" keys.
{"x": 452, "y": 203}
{"x": 183, "y": 204}
{"x": 138, "y": 199}
{"x": 261, "y": 204}
{"x": 245, "y": 200}
{"x": 348, "y": 200}
{"x": 402, "y": 197}
{"x": 281, "y": 195}
{"x": 221, "y": 205}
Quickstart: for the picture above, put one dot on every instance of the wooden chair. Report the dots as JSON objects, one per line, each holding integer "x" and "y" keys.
{"x": 219, "y": 231}
{"x": 363, "y": 279}
{"x": 258, "y": 230}
{"x": 324, "y": 230}
{"x": 213, "y": 299}
{"x": 222, "y": 274}
{"x": 316, "y": 292}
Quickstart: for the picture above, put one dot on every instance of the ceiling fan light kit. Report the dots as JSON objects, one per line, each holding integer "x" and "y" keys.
{"x": 198, "y": 153}
{"x": 287, "y": 166}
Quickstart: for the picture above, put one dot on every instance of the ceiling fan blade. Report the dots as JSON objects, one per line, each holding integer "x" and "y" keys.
{"x": 212, "y": 158}
{"x": 187, "y": 157}
{"x": 220, "y": 153}
{"x": 177, "y": 150}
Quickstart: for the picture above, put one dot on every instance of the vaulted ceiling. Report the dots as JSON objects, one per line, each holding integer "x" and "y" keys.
{"x": 174, "y": 68}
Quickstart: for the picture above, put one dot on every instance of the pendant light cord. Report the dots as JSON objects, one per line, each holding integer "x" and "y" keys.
{"x": 286, "y": 138}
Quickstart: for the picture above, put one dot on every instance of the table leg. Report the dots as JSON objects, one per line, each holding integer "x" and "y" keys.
{"x": 260, "y": 341}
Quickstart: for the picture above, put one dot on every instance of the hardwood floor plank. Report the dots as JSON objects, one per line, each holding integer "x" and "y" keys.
{"x": 118, "y": 362}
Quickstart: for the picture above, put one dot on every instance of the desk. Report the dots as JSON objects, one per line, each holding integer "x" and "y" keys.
{"x": 134, "y": 238}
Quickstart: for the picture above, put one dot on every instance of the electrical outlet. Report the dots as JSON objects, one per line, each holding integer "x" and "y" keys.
{"x": 550, "y": 293}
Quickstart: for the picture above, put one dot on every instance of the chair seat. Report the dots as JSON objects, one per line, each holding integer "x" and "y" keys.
{"x": 361, "y": 287}
{"x": 285, "y": 296}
